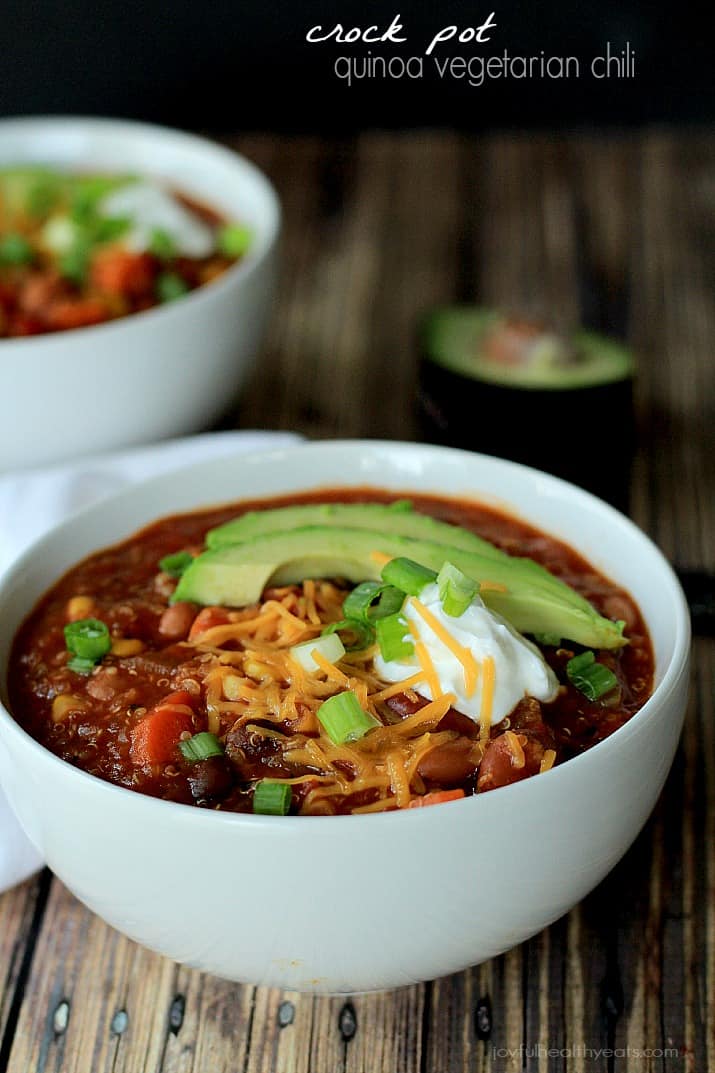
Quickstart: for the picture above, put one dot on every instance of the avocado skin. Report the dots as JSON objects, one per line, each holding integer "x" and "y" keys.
{"x": 535, "y": 601}
{"x": 398, "y": 517}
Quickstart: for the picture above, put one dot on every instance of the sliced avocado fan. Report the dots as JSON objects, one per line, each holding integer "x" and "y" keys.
{"x": 399, "y": 518}
{"x": 533, "y": 600}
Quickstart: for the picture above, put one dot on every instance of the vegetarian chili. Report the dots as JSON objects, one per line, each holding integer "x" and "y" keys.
{"x": 286, "y": 704}
{"x": 81, "y": 249}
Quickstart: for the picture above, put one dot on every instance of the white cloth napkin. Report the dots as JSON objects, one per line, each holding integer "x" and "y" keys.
{"x": 33, "y": 501}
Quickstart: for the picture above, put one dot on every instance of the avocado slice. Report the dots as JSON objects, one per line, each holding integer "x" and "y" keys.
{"x": 237, "y": 575}
{"x": 398, "y": 517}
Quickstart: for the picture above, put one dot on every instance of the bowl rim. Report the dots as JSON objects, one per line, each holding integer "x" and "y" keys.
{"x": 234, "y": 276}
{"x": 672, "y": 675}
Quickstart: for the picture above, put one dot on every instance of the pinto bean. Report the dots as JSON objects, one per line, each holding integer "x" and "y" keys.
{"x": 175, "y": 623}
{"x": 527, "y": 718}
{"x": 455, "y": 720}
{"x": 620, "y": 607}
{"x": 109, "y": 683}
{"x": 449, "y": 764}
{"x": 402, "y": 704}
{"x": 502, "y": 764}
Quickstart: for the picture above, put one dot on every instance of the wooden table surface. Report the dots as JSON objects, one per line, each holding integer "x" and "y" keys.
{"x": 614, "y": 229}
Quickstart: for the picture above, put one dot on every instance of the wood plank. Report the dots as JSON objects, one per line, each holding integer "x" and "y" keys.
{"x": 21, "y": 911}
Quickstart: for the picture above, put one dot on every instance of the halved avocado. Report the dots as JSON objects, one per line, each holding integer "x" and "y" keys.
{"x": 484, "y": 345}
{"x": 533, "y": 601}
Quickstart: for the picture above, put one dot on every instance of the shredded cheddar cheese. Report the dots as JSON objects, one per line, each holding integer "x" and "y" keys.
{"x": 397, "y": 687}
{"x": 515, "y": 743}
{"x": 485, "y": 714}
{"x": 547, "y": 760}
{"x": 462, "y": 654}
{"x": 328, "y": 668}
{"x": 429, "y": 674}
{"x": 492, "y": 586}
{"x": 379, "y": 558}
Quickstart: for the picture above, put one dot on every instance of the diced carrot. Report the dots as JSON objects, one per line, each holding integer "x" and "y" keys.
{"x": 121, "y": 272}
{"x": 207, "y": 618}
{"x": 155, "y": 737}
{"x": 436, "y": 798}
{"x": 38, "y": 290}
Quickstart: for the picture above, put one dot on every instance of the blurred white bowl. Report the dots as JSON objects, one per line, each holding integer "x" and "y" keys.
{"x": 163, "y": 372}
{"x": 352, "y": 903}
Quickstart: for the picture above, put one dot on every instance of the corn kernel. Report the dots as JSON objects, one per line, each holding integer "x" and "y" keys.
{"x": 63, "y": 704}
{"x": 80, "y": 607}
{"x": 127, "y": 646}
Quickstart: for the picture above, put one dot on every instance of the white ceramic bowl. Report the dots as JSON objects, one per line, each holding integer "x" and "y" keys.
{"x": 163, "y": 372}
{"x": 353, "y": 903}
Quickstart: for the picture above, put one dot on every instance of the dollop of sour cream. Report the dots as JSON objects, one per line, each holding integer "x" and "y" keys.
{"x": 519, "y": 667}
{"x": 150, "y": 209}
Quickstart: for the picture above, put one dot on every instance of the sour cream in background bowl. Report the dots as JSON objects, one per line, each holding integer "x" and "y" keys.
{"x": 353, "y": 903}
{"x": 162, "y": 372}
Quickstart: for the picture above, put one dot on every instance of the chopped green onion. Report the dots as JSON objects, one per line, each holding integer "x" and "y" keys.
{"x": 330, "y": 647}
{"x": 344, "y": 720}
{"x": 81, "y": 666}
{"x": 161, "y": 244}
{"x": 579, "y": 663}
{"x": 170, "y": 286}
{"x": 391, "y": 637}
{"x": 592, "y": 679}
{"x": 176, "y": 564}
{"x": 363, "y": 631}
{"x": 88, "y": 638}
{"x": 74, "y": 262}
{"x": 407, "y": 575}
{"x": 43, "y": 195}
{"x": 370, "y": 600}
{"x": 552, "y": 639}
{"x": 15, "y": 250}
{"x": 109, "y": 228}
{"x": 456, "y": 590}
{"x": 234, "y": 240}
{"x": 87, "y": 191}
{"x": 200, "y": 747}
{"x": 272, "y": 798}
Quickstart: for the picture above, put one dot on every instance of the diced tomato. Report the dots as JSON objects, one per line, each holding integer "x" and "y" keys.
{"x": 156, "y": 736}
{"x": 76, "y": 313}
{"x": 436, "y": 798}
{"x": 121, "y": 272}
{"x": 22, "y": 324}
{"x": 207, "y": 618}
